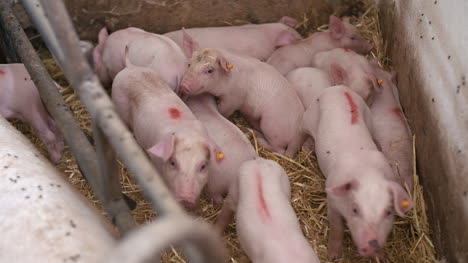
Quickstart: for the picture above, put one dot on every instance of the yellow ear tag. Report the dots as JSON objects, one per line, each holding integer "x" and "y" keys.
{"x": 229, "y": 66}
{"x": 219, "y": 156}
{"x": 405, "y": 204}
{"x": 380, "y": 81}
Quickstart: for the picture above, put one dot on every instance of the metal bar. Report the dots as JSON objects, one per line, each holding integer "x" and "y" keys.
{"x": 110, "y": 183}
{"x": 98, "y": 104}
{"x": 91, "y": 93}
{"x": 147, "y": 242}
{"x": 53, "y": 100}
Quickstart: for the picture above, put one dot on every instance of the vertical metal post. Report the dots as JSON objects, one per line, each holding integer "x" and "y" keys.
{"x": 56, "y": 106}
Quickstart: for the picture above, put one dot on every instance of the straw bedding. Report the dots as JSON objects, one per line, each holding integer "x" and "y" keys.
{"x": 409, "y": 240}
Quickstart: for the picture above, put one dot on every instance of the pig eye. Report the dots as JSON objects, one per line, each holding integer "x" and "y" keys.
{"x": 389, "y": 212}
{"x": 353, "y": 38}
{"x": 172, "y": 163}
{"x": 210, "y": 70}
{"x": 189, "y": 64}
{"x": 355, "y": 210}
{"x": 202, "y": 167}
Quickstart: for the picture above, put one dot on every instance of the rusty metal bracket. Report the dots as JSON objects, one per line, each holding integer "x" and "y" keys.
{"x": 52, "y": 20}
{"x": 53, "y": 100}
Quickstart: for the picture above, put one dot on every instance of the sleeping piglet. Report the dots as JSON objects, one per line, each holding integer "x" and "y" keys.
{"x": 145, "y": 49}
{"x": 177, "y": 142}
{"x": 267, "y": 226}
{"x": 351, "y": 69}
{"x": 391, "y": 129}
{"x": 44, "y": 218}
{"x": 258, "y": 41}
{"x": 20, "y": 99}
{"x": 300, "y": 54}
{"x": 236, "y": 147}
{"x": 361, "y": 186}
{"x": 256, "y": 89}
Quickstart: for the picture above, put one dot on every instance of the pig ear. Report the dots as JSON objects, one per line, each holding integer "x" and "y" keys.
{"x": 401, "y": 200}
{"x": 343, "y": 189}
{"x": 224, "y": 64}
{"x": 337, "y": 28}
{"x": 189, "y": 44}
{"x": 338, "y": 74}
{"x": 103, "y": 34}
{"x": 287, "y": 20}
{"x": 215, "y": 152}
{"x": 285, "y": 38}
{"x": 164, "y": 149}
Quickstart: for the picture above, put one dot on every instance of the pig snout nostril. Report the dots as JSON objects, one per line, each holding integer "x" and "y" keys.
{"x": 374, "y": 244}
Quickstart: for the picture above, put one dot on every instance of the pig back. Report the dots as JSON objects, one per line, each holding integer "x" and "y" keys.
{"x": 344, "y": 125}
{"x": 40, "y": 208}
{"x": 250, "y": 40}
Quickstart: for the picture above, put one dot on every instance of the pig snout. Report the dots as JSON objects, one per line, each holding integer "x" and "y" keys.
{"x": 188, "y": 85}
{"x": 187, "y": 204}
{"x": 370, "y": 248}
{"x": 187, "y": 193}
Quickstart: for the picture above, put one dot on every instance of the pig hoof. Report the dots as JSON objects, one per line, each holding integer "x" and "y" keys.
{"x": 334, "y": 252}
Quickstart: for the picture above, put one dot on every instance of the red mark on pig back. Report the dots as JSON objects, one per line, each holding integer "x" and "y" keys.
{"x": 2, "y": 72}
{"x": 174, "y": 113}
{"x": 347, "y": 49}
{"x": 354, "y": 109}
{"x": 263, "y": 208}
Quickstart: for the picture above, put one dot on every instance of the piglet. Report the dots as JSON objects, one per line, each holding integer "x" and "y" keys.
{"x": 20, "y": 99}
{"x": 301, "y": 53}
{"x": 177, "y": 142}
{"x": 44, "y": 218}
{"x": 145, "y": 49}
{"x": 258, "y": 41}
{"x": 351, "y": 69}
{"x": 254, "y": 88}
{"x": 267, "y": 227}
{"x": 361, "y": 186}
{"x": 308, "y": 83}
{"x": 391, "y": 130}
{"x": 236, "y": 147}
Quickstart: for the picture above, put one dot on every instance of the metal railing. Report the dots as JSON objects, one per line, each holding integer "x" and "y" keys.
{"x": 111, "y": 136}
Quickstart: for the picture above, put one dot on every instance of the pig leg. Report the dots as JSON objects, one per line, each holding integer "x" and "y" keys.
{"x": 309, "y": 145}
{"x": 262, "y": 141}
{"x": 45, "y": 128}
{"x": 295, "y": 144}
{"x": 225, "y": 217}
{"x": 335, "y": 237}
{"x": 227, "y": 107}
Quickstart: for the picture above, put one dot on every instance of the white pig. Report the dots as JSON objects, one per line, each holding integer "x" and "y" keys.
{"x": 177, "y": 142}
{"x": 19, "y": 99}
{"x": 254, "y": 88}
{"x": 308, "y": 83}
{"x": 145, "y": 49}
{"x": 267, "y": 226}
{"x": 301, "y": 53}
{"x": 351, "y": 69}
{"x": 44, "y": 218}
{"x": 236, "y": 147}
{"x": 361, "y": 186}
{"x": 391, "y": 130}
{"x": 258, "y": 41}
